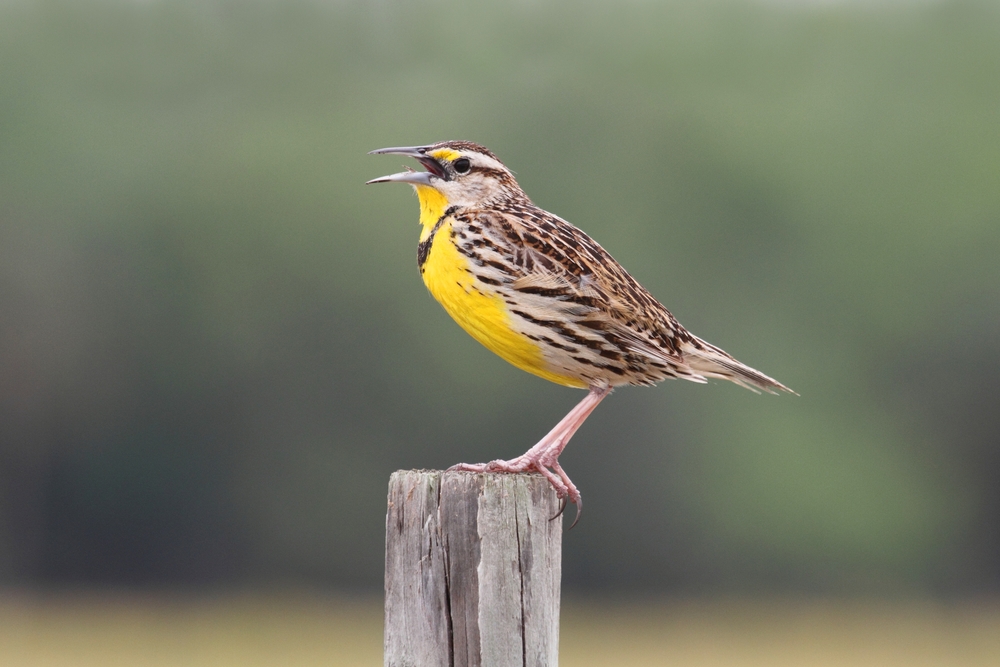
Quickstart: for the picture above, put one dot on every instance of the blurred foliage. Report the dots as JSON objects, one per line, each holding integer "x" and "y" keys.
{"x": 216, "y": 347}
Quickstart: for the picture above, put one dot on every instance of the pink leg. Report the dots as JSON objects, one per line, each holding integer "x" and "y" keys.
{"x": 544, "y": 456}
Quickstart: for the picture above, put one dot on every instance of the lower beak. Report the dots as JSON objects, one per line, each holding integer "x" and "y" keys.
{"x": 414, "y": 177}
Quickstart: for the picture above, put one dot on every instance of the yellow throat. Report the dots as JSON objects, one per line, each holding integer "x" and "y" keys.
{"x": 446, "y": 273}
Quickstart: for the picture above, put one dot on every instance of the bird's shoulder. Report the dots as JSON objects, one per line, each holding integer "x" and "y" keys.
{"x": 537, "y": 241}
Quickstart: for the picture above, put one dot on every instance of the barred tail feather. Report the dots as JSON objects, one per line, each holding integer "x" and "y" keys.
{"x": 710, "y": 361}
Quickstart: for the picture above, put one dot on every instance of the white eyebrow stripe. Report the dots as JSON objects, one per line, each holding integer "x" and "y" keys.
{"x": 488, "y": 162}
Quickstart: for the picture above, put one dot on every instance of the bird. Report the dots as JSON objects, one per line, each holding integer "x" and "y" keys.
{"x": 544, "y": 296}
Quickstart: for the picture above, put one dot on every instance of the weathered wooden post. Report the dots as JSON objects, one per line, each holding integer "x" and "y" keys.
{"x": 472, "y": 570}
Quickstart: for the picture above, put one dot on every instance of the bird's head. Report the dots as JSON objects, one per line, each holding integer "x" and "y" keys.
{"x": 463, "y": 173}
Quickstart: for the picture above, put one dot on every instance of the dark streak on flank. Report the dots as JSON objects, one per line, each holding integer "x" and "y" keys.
{"x": 488, "y": 281}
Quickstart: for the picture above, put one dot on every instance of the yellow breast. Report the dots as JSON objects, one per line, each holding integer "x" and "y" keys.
{"x": 482, "y": 313}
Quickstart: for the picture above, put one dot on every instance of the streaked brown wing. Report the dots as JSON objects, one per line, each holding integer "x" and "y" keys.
{"x": 555, "y": 260}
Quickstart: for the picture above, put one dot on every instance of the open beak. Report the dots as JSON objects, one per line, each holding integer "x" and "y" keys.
{"x": 434, "y": 168}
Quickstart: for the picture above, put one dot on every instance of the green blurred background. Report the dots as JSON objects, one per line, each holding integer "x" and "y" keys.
{"x": 215, "y": 346}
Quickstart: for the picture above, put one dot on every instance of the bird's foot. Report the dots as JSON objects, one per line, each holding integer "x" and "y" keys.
{"x": 564, "y": 487}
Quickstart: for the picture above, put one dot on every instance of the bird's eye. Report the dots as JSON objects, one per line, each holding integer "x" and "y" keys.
{"x": 462, "y": 165}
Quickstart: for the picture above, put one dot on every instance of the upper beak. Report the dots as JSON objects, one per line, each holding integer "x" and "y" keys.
{"x": 409, "y": 151}
{"x": 410, "y": 176}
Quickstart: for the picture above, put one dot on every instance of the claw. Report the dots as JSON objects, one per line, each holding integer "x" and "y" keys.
{"x": 579, "y": 508}
{"x": 563, "y": 502}
{"x": 562, "y": 508}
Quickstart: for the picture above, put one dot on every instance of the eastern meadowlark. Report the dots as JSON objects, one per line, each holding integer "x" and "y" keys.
{"x": 543, "y": 295}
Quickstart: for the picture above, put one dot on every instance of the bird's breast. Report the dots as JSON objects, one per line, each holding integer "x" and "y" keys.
{"x": 475, "y": 305}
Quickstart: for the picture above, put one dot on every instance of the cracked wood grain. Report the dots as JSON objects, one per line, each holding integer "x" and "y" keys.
{"x": 472, "y": 570}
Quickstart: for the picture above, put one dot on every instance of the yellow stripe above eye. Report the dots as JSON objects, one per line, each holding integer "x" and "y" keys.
{"x": 445, "y": 154}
